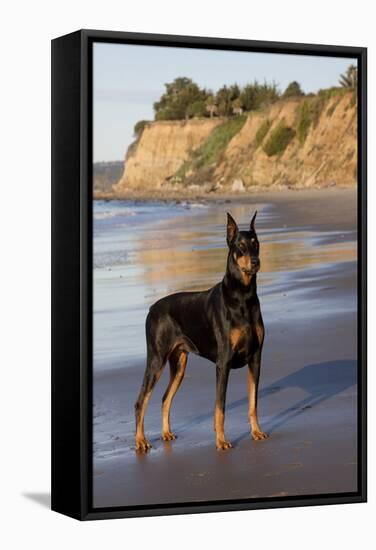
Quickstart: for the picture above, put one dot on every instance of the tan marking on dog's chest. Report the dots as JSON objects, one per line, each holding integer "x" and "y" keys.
{"x": 237, "y": 336}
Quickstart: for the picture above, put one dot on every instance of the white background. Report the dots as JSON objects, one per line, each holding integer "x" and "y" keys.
{"x": 27, "y": 28}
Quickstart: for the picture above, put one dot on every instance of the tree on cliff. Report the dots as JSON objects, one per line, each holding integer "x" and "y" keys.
{"x": 223, "y": 100}
{"x": 184, "y": 99}
{"x": 256, "y": 95}
{"x": 350, "y": 78}
{"x": 197, "y": 109}
{"x": 293, "y": 90}
{"x": 211, "y": 105}
{"x": 180, "y": 95}
{"x": 248, "y": 96}
{"x": 237, "y": 106}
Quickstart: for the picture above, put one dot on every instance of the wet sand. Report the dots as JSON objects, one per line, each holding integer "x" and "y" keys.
{"x": 308, "y": 398}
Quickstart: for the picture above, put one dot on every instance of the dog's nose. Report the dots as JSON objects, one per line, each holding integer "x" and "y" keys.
{"x": 255, "y": 264}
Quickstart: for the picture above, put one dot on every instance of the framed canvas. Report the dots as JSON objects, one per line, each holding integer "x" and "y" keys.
{"x": 208, "y": 236}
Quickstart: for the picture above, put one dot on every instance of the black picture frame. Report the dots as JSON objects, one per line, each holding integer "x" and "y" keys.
{"x": 72, "y": 272}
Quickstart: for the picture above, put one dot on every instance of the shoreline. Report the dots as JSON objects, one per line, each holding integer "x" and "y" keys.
{"x": 175, "y": 195}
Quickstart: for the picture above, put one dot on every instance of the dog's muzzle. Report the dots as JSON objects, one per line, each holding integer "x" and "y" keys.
{"x": 255, "y": 266}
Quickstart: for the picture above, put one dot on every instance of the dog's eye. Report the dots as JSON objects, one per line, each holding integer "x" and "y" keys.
{"x": 241, "y": 248}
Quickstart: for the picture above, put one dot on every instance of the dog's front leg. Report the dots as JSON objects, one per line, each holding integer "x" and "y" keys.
{"x": 253, "y": 382}
{"x": 222, "y": 374}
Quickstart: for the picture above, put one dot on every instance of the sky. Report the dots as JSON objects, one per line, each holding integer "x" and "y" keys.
{"x": 128, "y": 79}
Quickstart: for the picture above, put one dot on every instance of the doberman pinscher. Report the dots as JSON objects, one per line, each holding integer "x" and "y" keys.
{"x": 222, "y": 324}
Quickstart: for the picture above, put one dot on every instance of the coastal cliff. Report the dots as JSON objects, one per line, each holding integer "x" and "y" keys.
{"x": 300, "y": 142}
{"x": 160, "y": 150}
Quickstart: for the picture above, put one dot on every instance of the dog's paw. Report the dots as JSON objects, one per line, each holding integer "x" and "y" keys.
{"x": 168, "y": 436}
{"x": 258, "y": 435}
{"x": 142, "y": 445}
{"x": 223, "y": 445}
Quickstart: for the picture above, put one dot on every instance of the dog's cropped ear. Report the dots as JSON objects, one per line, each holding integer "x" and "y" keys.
{"x": 232, "y": 229}
{"x": 252, "y": 225}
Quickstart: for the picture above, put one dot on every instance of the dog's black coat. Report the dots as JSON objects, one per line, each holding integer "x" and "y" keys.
{"x": 223, "y": 324}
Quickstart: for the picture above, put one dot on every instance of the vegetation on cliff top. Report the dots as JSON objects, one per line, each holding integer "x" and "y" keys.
{"x": 293, "y": 90}
{"x": 184, "y": 99}
{"x": 349, "y": 80}
{"x": 139, "y": 126}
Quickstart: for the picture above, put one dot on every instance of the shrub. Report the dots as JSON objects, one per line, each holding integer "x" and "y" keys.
{"x": 139, "y": 127}
{"x": 196, "y": 109}
{"x": 293, "y": 90}
{"x": 279, "y": 139}
{"x": 255, "y": 95}
{"x": 212, "y": 148}
{"x": 215, "y": 144}
{"x": 316, "y": 107}
{"x": 304, "y": 121}
{"x": 328, "y": 93}
{"x": 261, "y": 132}
{"x": 332, "y": 108}
{"x": 310, "y": 110}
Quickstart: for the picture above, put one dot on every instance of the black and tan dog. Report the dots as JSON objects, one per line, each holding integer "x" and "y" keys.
{"x": 222, "y": 324}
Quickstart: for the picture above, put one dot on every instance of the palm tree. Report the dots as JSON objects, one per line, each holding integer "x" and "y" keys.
{"x": 350, "y": 78}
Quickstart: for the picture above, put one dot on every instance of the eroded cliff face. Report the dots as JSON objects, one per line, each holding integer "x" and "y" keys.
{"x": 160, "y": 151}
{"x": 326, "y": 156}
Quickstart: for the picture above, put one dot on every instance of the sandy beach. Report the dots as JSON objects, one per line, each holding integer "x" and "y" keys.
{"x": 308, "y": 395}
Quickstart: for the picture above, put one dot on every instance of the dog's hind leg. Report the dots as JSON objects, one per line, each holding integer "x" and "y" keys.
{"x": 152, "y": 374}
{"x": 178, "y": 362}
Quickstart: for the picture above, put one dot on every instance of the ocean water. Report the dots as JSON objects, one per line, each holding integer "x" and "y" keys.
{"x": 116, "y": 222}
